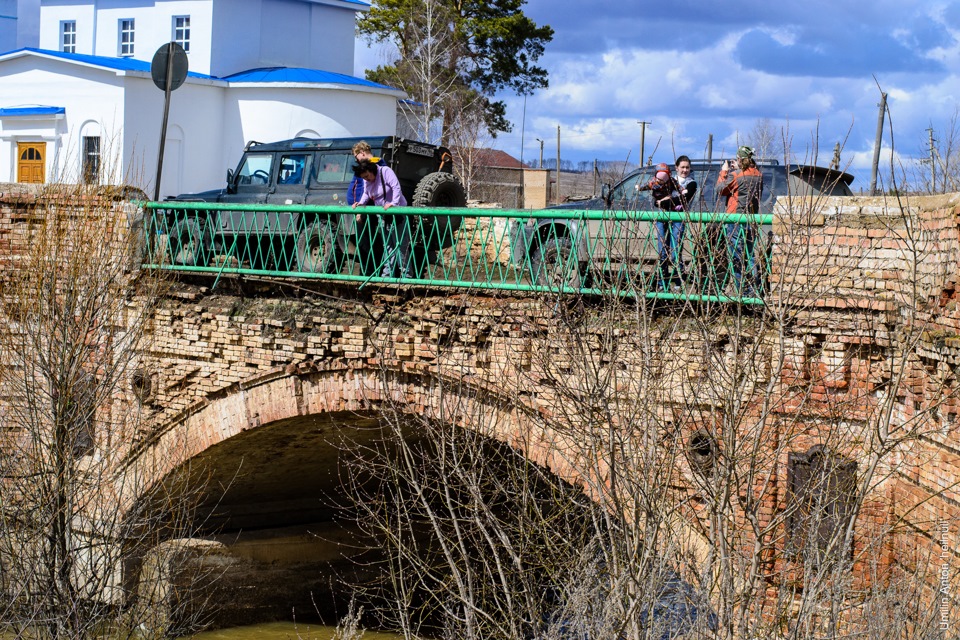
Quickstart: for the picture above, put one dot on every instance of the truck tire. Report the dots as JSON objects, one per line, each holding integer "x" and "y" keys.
{"x": 189, "y": 245}
{"x": 439, "y": 189}
{"x": 316, "y": 248}
{"x": 553, "y": 264}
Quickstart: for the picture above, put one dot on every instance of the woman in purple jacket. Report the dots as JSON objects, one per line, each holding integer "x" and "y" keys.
{"x": 382, "y": 188}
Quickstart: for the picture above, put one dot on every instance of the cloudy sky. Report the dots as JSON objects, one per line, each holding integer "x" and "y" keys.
{"x": 697, "y": 68}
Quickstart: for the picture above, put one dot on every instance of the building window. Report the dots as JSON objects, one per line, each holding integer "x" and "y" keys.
{"x": 126, "y": 37}
{"x": 181, "y": 31}
{"x": 91, "y": 160}
{"x": 68, "y": 36}
{"x": 821, "y": 499}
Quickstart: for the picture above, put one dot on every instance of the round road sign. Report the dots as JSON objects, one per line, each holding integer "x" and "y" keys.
{"x": 174, "y": 55}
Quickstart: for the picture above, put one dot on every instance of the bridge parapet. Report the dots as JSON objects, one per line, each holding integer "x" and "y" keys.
{"x": 873, "y": 253}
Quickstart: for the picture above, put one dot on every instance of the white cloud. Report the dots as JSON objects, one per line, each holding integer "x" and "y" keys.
{"x": 689, "y": 94}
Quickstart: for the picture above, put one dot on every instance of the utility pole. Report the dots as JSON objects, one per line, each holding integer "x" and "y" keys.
{"x": 541, "y": 151}
{"x": 876, "y": 149}
{"x": 558, "y": 163}
{"x": 523, "y": 127}
{"x": 643, "y": 133}
{"x": 709, "y": 148}
{"x": 933, "y": 163}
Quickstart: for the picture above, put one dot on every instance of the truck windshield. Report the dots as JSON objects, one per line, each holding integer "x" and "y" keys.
{"x": 256, "y": 169}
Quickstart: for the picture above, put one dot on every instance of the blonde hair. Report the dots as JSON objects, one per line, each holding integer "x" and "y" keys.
{"x": 362, "y": 146}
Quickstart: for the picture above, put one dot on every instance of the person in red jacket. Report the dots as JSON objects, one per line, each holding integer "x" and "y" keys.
{"x": 743, "y": 186}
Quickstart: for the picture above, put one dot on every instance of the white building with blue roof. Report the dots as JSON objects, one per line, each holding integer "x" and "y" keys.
{"x": 83, "y": 106}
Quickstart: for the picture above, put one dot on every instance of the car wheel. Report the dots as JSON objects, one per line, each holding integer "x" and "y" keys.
{"x": 439, "y": 189}
{"x": 554, "y": 263}
{"x": 316, "y": 248}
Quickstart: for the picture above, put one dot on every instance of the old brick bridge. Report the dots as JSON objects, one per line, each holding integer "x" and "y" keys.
{"x": 257, "y": 384}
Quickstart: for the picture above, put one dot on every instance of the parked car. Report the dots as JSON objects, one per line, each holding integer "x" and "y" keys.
{"x": 552, "y": 243}
{"x": 313, "y": 171}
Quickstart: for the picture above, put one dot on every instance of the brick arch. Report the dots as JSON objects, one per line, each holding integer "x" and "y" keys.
{"x": 284, "y": 395}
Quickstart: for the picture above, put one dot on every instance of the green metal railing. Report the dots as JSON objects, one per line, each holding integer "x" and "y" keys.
{"x": 719, "y": 257}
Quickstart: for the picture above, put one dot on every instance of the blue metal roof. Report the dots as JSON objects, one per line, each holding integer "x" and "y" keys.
{"x": 31, "y": 111}
{"x": 265, "y": 75}
{"x": 300, "y": 75}
{"x": 118, "y": 64}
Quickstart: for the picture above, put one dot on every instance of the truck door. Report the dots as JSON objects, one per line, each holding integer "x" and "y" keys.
{"x": 293, "y": 173}
{"x": 252, "y": 183}
{"x": 252, "y": 180}
{"x": 330, "y": 179}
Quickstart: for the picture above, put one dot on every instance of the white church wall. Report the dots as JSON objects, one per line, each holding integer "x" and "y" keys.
{"x": 127, "y": 112}
{"x": 267, "y": 114}
{"x": 193, "y": 154}
{"x": 303, "y": 34}
{"x": 19, "y": 24}
{"x": 291, "y": 34}
{"x": 28, "y": 23}
{"x": 98, "y": 32}
{"x": 232, "y": 52}
{"x": 332, "y": 45}
{"x": 8, "y": 25}
{"x": 86, "y": 94}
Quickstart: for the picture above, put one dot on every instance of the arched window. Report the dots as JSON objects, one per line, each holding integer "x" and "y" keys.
{"x": 90, "y": 153}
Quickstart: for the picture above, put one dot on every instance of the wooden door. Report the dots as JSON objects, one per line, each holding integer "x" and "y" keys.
{"x": 30, "y": 161}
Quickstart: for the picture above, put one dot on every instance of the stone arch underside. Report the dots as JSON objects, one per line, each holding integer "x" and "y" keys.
{"x": 269, "y": 452}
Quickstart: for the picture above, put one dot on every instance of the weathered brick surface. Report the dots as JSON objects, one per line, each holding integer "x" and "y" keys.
{"x": 868, "y": 288}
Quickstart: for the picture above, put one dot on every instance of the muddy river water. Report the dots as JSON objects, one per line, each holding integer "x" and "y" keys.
{"x": 284, "y": 631}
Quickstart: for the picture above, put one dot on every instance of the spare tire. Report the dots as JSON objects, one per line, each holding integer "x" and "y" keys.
{"x": 439, "y": 189}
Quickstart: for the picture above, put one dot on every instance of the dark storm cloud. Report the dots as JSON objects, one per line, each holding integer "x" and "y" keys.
{"x": 585, "y": 28}
{"x": 837, "y": 38}
{"x": 854, "y": 53}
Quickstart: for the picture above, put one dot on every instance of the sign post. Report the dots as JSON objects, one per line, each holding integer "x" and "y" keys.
{"x": 168, "y": 70}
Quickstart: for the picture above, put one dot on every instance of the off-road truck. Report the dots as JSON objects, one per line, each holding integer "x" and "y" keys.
{"x": 314, "y": 171}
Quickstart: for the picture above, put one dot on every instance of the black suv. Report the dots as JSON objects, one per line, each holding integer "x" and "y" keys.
{"x": 313, "y": 172}
{"x": 550, "y": 242}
